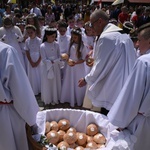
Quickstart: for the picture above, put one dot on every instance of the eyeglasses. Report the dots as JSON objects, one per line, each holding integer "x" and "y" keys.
{"x": 92, "y": 23}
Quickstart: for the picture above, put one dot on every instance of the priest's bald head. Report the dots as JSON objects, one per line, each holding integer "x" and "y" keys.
{"x": 99, "y": 19}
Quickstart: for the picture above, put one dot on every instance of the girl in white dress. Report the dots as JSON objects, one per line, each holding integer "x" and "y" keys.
{"x": 74, "y": 70}
{"x": 32, "y": 47}
{"x": 21, "y": 24}
{"x": 50, "y": 69}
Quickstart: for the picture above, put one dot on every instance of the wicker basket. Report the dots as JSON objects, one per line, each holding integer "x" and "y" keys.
{"x": 33, "y": 145}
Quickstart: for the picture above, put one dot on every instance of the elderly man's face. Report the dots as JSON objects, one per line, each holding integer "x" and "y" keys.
{"x": 96, "y": 25}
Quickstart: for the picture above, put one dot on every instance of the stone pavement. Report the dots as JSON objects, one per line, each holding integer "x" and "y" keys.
{"x": 64, "y": 105}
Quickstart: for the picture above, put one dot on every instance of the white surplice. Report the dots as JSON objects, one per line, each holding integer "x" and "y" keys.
{"x": 114, "y": 58}
{"x": 72, "y": 74}
{"x": 132, "y": 107}
{"x": 50, "y": 72}
{"x": 14, "y": 86}
{"x": 34, "y": 74}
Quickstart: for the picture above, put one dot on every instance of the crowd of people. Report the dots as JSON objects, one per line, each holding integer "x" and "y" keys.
{"x": 97, "y": 57}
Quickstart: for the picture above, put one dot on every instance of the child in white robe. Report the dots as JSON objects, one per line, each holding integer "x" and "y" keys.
{"x": 50, "y": 68}
{"x": 63, "y": 41}
{"x": 88, "y": 40}
{"x": 131, "y": 110}
{"x": 74, "y": 70}
{"x": 71, "y": 24}
{"x": 32, "y": 48}
{"x": 22, "y": 25}
{"x": 11, "y": 34}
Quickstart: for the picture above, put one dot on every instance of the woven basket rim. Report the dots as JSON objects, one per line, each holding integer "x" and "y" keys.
{"x": 35, "y": 145}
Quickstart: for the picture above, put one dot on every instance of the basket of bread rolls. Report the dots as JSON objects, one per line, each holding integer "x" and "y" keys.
{"x": 64, "y": 135}
{"x": 72, "y": 129}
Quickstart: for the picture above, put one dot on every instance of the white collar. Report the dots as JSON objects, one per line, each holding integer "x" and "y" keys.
{"x": 111, "y": 28}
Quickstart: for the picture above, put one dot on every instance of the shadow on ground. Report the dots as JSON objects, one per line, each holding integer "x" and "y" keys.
{"x": 60, "y": 105}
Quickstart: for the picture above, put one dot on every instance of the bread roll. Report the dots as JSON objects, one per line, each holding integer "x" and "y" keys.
{"x": 81, "y": 138}
{"x": 61, "y": 134}
{"x": 64, "y": 56}
{"x": 91, "y": 145}
{"x": 54, "y": 125}
{"x": 63, "y": 145}
{"x": 92, "y": 129}
{"x": 52, "y": 137}
{"x": 72, "y": 129}
{"x": 74, "y": 145}
{"x": 79, "y": 148}
{"x": 70, "y": 138}
{"x": 64, "y": 124}
{"x": 47, "y": 127}
{"x": 100, "y": 145}
{"x": 89, "y": 138}
{"x": 99, "y": 138}
{"x": 70, "y": 62}
{"x": 90, "y": 60}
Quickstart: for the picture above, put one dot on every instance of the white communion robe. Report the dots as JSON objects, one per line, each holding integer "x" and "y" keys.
{"x": 50, "y": 72}
{"x": 71, "y": 93}
{"x": 14, "y": 86}
{"x": 13, "y": 36}
{"x": 89, "y": 43}
{"x": 34, "y": 74}
{"x": 114, "y": 58}
{"x": 132, "y": 107}
{"x": 63, "y": 42}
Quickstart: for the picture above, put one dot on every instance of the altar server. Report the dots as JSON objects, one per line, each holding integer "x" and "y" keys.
{"x": 132, "y": 107}
{"x": 18, "y": 105}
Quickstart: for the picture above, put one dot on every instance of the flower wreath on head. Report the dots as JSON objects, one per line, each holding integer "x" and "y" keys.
{"x": 33, "y": 15}
{"x": 76, "y": 31}
{"x": 50, "y": 29}
{"x": 20, "y": 23}
{"x": 128, "y": 25}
